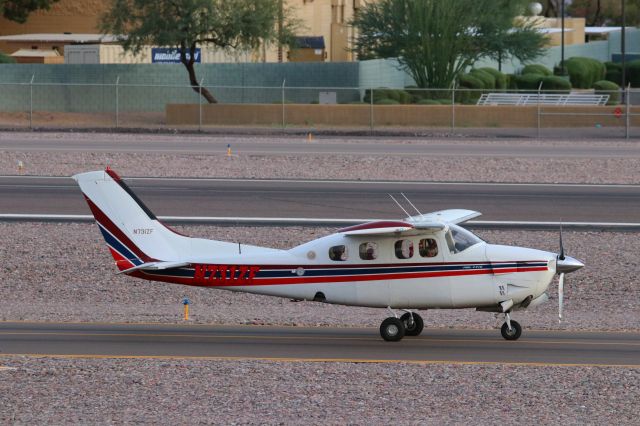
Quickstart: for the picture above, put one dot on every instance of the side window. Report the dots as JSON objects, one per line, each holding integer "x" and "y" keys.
{"x": 368, "y": 251}
{"x": 404, "y": 249}
{"x": 428, "y": 247}
{"x": 338, "y": 253}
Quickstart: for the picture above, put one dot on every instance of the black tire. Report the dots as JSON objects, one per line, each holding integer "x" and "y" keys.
{"x": 515, "y": 332}
{"x": 412, "y": 329}
{"x": 392, "y": 329}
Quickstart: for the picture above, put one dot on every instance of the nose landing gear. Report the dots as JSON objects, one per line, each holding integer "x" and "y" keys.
{"x": 393, "y": 329}
{"x": 510, "y": 330}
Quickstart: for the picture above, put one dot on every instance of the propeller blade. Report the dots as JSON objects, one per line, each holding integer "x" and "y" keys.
{"x": 560, "y": 296}
{"x": 561, "y": 255}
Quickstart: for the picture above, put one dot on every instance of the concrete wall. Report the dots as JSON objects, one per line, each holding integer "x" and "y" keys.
{"x": 393, "y": 116}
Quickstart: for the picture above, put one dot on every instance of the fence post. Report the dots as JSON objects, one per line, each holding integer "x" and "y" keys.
{"x": 628, "y": 105}
{"x": 33, "y": 76}
{"x": 284, "y": 125}
{"x": 538, "y": 110}
{"x": 371, "y": 111}
{"x": 117, "y": 103}
{"x": 200, "y": 105}
{"x": 453, "y": 105}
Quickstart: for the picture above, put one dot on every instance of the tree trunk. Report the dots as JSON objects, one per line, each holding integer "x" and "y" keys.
{"x": 195, "y": 85}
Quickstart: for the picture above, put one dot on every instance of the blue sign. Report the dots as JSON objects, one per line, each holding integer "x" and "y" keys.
{"x": 168, "y": 55}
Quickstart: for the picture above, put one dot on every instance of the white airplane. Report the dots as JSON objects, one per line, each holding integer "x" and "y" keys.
{"x": 425, "y": 261}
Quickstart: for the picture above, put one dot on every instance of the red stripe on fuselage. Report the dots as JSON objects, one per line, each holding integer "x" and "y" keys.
{"x": 103, "y": 220}
{"x": 330, "y": 279}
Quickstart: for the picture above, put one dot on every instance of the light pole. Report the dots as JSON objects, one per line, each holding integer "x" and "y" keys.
{"x": 622, "y": 46}
{"x": 562, "y": 37}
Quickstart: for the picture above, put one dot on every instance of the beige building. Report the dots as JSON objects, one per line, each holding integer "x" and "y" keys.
{"x": 320, "y": 19}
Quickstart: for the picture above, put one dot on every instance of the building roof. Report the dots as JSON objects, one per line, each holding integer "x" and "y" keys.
{"x": 34, "y": 53}
{"x": 601, "y": 30}
{"x": 62, "y": 38}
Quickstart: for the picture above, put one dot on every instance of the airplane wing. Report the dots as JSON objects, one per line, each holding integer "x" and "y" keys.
{"x": 413, "y": 225}
{"x": 388, "y": 227}
{"x": 454, "y": 216}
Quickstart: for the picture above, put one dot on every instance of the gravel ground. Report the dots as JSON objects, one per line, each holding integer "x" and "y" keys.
{"x": 476, "y": 169}
{"x": 63, "y": 272}
{"x": 108, "y": 391}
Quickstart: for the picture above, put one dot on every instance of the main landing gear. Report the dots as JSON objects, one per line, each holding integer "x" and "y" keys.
{"x": 510, "y": 330}
{"x": 394, "y": 329}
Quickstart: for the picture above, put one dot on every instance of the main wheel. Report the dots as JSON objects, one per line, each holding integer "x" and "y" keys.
{"x": 514, "y": 333}
{"x": 392, "y": 329}
{"x": 412, "y": 328}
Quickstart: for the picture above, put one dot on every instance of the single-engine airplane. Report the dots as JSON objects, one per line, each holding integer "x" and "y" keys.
{"x": 426, "y": 261}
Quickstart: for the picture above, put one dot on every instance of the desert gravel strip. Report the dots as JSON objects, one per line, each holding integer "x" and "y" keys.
{"x": 615, "y": 170}
{"x": 199, "y": 391}
{"x": 63, "y": 272}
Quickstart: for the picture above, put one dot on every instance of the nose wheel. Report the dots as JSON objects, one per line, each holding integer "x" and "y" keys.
{"x": 510, "y": 330}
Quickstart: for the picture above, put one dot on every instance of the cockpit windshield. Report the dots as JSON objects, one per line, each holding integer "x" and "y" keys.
{"x": 459, "y": 239}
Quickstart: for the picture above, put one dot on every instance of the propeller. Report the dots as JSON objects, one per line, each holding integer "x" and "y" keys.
{"x": 561, "y": 256}
{"x": 564, "y": 264}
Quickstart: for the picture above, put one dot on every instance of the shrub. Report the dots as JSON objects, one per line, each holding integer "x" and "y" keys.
{"x": 528, "y": 81}
{"x": 488, "y": 81}
{"x": 386, "y": 102}
{"x": 633, "y": 73}
{"x": 511, "y": 82}
{"x": 604, "y": 87}
{"x": 378, "y": 94}
{"x": 6, "y": 59}
{"x": 555, "y": 83}
{"x": 584, "y": 71}
{"x": 500, "y": 78}
{"x": 468, "y": 81}
{"x": 536, "y": 69}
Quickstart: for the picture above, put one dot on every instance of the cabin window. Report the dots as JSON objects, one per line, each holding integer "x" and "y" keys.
{"x": 338, "y": 253}
{"x": 369, "y": 251}
{"x": 427, "y": 247}
{"x": 404, "y": 249}
{"x": 459, "y": 239}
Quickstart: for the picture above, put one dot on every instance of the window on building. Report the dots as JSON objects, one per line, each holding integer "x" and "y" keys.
{"x": 368, "y": 251}
{"x": 338, "y": 253}
{"x": 404, "y": 249}
{"x": 427, "y": 247}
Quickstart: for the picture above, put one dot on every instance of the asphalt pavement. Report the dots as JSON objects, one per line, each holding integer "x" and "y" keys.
{"x": 318, "y": 344}
{"x": 335, "y": 199}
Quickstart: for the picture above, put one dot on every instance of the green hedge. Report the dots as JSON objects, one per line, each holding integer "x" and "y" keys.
{"x": 6, "y": 59}
{"x": 428, "y": 102}
{"x": 633, "y": 73}
{"x": 528, "y": 81}
{"x": 499, "y": 77}
{"x": 584, "y": 71}
{"x": 488, "y": 81}
{"x": 536, "y": 69}
{"x": 604, "y": 87}
{"x": 556, "y": 83}
{"x": 468, "y": 81}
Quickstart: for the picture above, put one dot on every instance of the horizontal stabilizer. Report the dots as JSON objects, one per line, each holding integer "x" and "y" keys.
{"x": 154, "y": 266}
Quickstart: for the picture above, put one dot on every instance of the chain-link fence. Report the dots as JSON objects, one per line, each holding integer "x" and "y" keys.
{"x": 533, "y": 113}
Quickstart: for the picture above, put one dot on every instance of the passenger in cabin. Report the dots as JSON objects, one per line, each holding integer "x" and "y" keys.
{"x": 428, "y": 247}
{"x": 404, "y": 249}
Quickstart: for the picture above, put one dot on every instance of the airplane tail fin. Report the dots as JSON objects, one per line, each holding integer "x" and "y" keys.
{"x": 136, "y": 239}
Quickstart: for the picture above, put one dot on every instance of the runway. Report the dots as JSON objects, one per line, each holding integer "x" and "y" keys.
{"x": 335, "y": 199}
{"x": 318, "y": 344}
{"x": 287, "y": 145}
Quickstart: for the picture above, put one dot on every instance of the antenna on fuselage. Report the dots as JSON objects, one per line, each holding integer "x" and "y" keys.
{"x": 411, "y": 204}
{"x": 399, "y": 205}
